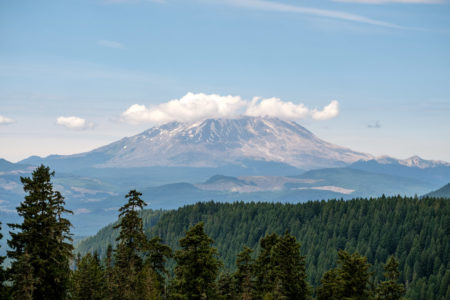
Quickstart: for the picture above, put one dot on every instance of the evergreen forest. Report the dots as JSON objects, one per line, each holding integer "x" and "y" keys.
{"x": 381, "y": 248}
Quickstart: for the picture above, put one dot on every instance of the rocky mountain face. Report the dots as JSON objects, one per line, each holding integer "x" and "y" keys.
{"x": 219, "y": 142}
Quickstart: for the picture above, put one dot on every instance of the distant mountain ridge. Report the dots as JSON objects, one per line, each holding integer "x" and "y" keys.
{"x": 443, "y": 192}
{"x": 215, "y": 143}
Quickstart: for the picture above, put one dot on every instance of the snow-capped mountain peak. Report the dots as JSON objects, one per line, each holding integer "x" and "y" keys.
{"x": 216, "y": 142}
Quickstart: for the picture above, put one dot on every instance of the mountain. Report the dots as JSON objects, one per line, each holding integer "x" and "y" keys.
{"x": 214, "y": 143}
{"x": 434, "y": 172}
{"x": 443, "y": 192}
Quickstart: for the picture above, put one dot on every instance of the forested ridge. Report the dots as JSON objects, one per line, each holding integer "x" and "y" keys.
{"x": 416, "y": 231}
{"x": 383, "y": 248}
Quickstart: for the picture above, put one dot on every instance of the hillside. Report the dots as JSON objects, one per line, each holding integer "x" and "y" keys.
{"x": 443, "y": 192}
{"x": 413, "y": 230}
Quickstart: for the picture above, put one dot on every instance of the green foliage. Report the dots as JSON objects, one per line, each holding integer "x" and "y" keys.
{"x": 416, "y": 231}
{"x": 244, "y": 274}
{"x": 132, "y": 241}
{"x": 3, "y": 288}
{"x": 197, "y": 266}
{"x": 41, "y": 246}
{"x": 350, "y": 280}
{"x": 390, "y": 289}
{"x": 280, "y": 269}
{"x": 88, "y": 282}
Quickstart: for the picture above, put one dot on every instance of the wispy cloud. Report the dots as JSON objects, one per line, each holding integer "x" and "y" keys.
{"x": 75, "y": 123}
{"x": 193, "y": 107}
{"x": 5, "y": 120}
{"x": 393, "y": 1}
{"x": 289, "y": 8}
{"x": 111, "y": 44}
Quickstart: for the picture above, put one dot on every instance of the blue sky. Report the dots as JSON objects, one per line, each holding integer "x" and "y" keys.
{"x": 386, "y": 63}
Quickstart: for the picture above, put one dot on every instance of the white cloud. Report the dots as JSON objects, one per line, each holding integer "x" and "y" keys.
{"x": 193, "y": 107}
{"x": 274, "y": 107}
{"x": 392, "y": 1}
{"x": 82, "y": 210}
{"x": 74, "y": 123}
{"x": 328, "y": 112}
{"x": 189, "y": 108}
{"x": 5, "y": 120}
{"x": 111, "y": 44}
{"x": 288, "y": 8}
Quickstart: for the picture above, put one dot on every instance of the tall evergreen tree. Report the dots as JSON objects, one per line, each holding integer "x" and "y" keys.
{"x": 3, "y": 288}
{"x": 132, "y": 240}
{"x": 289, "y": 269}
{"x": 390, "y": 289}
{"x": 110, "y": 282}
{"x": 350, "y": 280}
{"x": 197, "y": 266}
{"x": 41, "y": 245}
{"x": 280, "y": 269}
{"x": 244, "y": 274}
{"x": 264, "y": 266}
{"x": 88, "y": 280}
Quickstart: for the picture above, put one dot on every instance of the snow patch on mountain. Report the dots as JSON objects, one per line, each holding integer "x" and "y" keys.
{"x": 218, "y": 142}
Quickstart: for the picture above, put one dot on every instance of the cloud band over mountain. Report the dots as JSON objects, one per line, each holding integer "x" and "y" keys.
{"x": 192, "y": 107}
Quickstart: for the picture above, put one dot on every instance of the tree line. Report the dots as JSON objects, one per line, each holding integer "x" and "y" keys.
{"x": 136, "y": 267}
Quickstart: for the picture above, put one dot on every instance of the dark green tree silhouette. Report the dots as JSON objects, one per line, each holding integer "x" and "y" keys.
{"x": 280, "y": 269}
{"x": 390, "y": 289}
{"x": 132, "y": 241}
{"x": 197, "y": 266}
{"x": 244, "y": 274}
{"x": 88, "y": 279}
{"x": 350, "y": 280}
{"x": 3, "y": 288}
{"x": 41, "y": 245}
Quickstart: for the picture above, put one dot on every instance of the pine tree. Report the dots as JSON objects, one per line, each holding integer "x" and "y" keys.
{"x": 243, "y": 275}
{"x": 110, "y": 281}
{"x": 197, "y": 266}
{"x": 225, "y": 287}
{"x": 132, "y": 240}
{"x": 88, "y": 280}
{"x": 264, "y": 266}
{"x": 330, "y": 287}
{"x": 390, "y": 289}
{"x": 354, "y": 272}
{"x": 41, "y": 245}
{"x": 2, "y": 258}
{"x": 3, "y": 288}
{"x": 289, "y": 269}
{"x": 350, "y": 280}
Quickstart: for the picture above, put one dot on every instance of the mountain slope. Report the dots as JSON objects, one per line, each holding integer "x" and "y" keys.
{"x": 436, "y": 173}
{"x": 214, "y": 143}
{"x": 412, "y": 229}
{"x": 443, "y": 192}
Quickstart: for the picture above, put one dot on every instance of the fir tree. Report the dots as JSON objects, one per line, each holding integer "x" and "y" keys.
{"x": 3, "y": 290}
{"x": 390, "y": 289}
{"x": 225, "y": 287}
{"x": 88, "y": 280}
{"x": 197, "y": 266}
{"x": 243, "y": 275}
{"x": 264, "y": 266}
{"x": 110, "y": 282}
{"x": 289, "y": 269}
{"x": 350, "y": 280}
{"x": 41, "y": 247}
{"x": 132, "y": 240}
